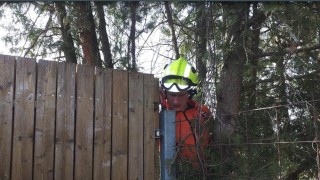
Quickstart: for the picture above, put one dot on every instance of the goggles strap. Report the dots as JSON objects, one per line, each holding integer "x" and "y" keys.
{"x": 192, "y": 92}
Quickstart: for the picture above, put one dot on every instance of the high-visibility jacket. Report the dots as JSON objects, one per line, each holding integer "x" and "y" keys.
{"x": 192, "y": 133}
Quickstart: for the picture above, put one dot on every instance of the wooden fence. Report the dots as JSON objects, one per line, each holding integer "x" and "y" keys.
{"x": 65, "y": 121}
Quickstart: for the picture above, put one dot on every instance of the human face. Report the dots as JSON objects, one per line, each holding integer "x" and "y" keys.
{"x": 178, "y": 100}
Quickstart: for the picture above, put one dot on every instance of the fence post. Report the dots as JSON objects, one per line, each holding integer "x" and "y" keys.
{"x": 168, "y": 142}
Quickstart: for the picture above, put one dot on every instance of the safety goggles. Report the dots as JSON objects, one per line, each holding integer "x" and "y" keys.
{"x": 176, "y": 83}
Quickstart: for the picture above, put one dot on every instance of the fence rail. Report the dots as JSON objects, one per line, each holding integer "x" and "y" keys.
{"x": 66, "y": 121}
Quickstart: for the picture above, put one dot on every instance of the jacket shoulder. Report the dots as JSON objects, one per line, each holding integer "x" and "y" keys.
{"x": 196, "y": 107}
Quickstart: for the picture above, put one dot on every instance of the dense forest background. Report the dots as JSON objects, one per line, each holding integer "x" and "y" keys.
{"x": 258, "y": 63}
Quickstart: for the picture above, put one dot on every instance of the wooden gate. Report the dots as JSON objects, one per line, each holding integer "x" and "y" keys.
{"x": 66, "y": 121}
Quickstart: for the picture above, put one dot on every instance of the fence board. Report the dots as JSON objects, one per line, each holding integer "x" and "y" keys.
{"x": 45, "y": 120}
{"x": 148, "y": 126}
{"x": 68, "y": 121}
{"x": 7, "y": 65}
{"x": 135, "y": 163}
{"x": 119, "y": 125}
{"x": 65, "y": 122}
{"x": 156, "y": 126}
{"x": 23, "y": 132}
{"x": 84, "y": 122}
{"x": 102, "y": 136}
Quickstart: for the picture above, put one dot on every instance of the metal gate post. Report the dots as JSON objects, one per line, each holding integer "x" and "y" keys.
{"x": 168, "y": 143}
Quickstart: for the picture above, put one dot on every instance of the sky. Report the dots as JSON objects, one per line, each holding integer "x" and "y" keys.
{"x": 149, "y": 61}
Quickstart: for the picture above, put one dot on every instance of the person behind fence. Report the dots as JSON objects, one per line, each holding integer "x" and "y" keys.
{"x": 178, "y": 86}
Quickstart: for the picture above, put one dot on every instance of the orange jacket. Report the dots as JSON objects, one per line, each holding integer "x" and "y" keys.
{"x": 192, "y": 133}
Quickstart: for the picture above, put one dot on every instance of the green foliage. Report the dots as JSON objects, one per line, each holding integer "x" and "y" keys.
{"x": 277, "y": 120}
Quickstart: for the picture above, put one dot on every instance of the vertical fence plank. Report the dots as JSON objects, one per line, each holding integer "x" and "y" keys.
{"x": 135, "y": 154}
{"x": 6, "y": 107}
{"x": 84, "y": 122}
{"x": 120, "y": 125}
{"x": 45, "y": 120}
{"x": 23, "y": 133}
{"x": 149, "y": 129}
{"x": 65, "y": 121}
{"x": 102, "y": 136}
{"x": 156, "y": 126}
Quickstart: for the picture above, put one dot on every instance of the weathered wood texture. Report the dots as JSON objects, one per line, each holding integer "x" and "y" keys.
{"x": 6, "y": 111}
{"x": 45, "y": 120}
{"x": 120, "y": 125}
{"x": 65, "y": 121}
{"x": 68, "y": 121}
{"x": 24, "y": 119}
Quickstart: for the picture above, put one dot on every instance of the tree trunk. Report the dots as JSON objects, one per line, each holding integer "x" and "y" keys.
{"x": 173, "y": 34}
{"x": 67, "y": 45}
{"x": 228, "y": 91}
{"x": 229, "y": 88}
{"x": 255, "y": 38}
{"x": 88, "y": 37}
{"x": 104, "y": 39}
{"x": 132, "y": 45}
{"x": 201, "y": 40}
